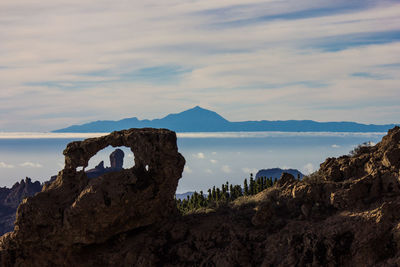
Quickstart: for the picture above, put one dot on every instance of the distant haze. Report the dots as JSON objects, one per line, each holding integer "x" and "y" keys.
{"x": 75, "y": 61}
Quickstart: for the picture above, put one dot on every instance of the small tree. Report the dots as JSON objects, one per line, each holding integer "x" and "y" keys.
{"x": 245, "y": 187}
{"x": 252, "y": 189}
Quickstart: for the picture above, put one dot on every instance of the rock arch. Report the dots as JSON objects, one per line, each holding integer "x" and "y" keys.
{"x": 74, "y": 209}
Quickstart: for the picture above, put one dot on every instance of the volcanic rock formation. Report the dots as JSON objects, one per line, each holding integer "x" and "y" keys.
{"x": 346, "y": 214}
{"x": 10, "y": 198}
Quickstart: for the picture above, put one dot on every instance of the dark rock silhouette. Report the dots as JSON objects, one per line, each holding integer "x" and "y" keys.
{"x": 346, "y": 214}
{"x": 117, "y": 159}
{"x": 277, "y": 172}
{"x": 10, "y": 198}
{"x": 77, "y": 211}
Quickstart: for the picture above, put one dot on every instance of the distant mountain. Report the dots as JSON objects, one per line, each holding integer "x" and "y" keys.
{"x": 277, "y": 173}
{"x": 184, "y": 195}
{"x": 198, "y": 119}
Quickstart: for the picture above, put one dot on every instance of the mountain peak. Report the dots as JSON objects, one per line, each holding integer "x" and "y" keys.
{"x": 198, "y": 119}
{"x": 198, "y": 109}
{"x": 196, "y": 115}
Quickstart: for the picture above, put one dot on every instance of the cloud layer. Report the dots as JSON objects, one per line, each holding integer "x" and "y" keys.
{"x": 69, "y": 62}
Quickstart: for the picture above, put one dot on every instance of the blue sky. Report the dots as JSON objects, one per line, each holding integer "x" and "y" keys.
{"x": 69, "y": 62}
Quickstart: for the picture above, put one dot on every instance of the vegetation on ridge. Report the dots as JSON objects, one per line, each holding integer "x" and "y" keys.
{"x": 221, "y": 196}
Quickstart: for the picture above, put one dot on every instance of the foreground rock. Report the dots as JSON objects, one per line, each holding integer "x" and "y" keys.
{"x": 347, "y": 214}
{"x": 76, "y": 212}
{"x": 10, "y": 198}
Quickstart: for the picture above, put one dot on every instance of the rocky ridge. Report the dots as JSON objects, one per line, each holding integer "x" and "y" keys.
{"x": 10, "y": 198}
{"x": 346, "y": 214}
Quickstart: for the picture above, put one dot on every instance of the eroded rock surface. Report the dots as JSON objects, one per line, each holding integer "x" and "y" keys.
{"x": 10, "y": 198}
{"x": 347, "y": 214}
{"x": 75, "y": 211}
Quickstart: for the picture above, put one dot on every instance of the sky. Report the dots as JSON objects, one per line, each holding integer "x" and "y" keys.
{"x": 70, "y": 62}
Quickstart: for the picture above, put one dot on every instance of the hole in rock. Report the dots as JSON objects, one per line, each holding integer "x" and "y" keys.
{"x": 80, "y": 168}
{"x": 147, "y": 167}
{"x": 110, "y": 159}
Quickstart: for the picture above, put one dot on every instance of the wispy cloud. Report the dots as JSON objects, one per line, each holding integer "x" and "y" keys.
{"x": 250, "y": 170}
{"x": 31, "y": 165}
{"x": 5, "y": 165}
{"x": 369, "y": 75}
{"x": 149, "y": 58}
{"x": 187, "y": 169}
{"x": 226, "y": 169}
{"x": 199, "y": 155}
{"x": 308, "y": 168}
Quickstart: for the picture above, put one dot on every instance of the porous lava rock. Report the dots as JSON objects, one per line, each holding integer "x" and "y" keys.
{"x": 346, "y": 214}
{"x": 76, "y": 211}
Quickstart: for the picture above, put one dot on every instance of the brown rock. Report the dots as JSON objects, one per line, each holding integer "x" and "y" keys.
{"x": 76, "y": 210}
{"x": 285, "y": 178}
{"x": 10, "y": 198}
{"x": 346, "y": 215}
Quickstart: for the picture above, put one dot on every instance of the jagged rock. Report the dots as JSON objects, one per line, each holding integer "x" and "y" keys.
{"x": 285, "y": 178}
{"x": 100, "y": 166}
{"x": 77, "y": 210}
{"x": 346, "y": 214}
{"x": 116, "y": 161}
{"x": 10, "y": 198}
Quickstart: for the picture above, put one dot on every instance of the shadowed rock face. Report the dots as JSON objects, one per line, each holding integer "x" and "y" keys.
{"x": 75, "y": 210}
{"x": 347, "y": 214}
{"x": 10, "y": 198}
{"x": 117, "y": 159}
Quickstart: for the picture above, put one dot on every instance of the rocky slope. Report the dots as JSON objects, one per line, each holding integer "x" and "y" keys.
{"x": 346, "y": 214}
{"x": 10, "y": 198}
